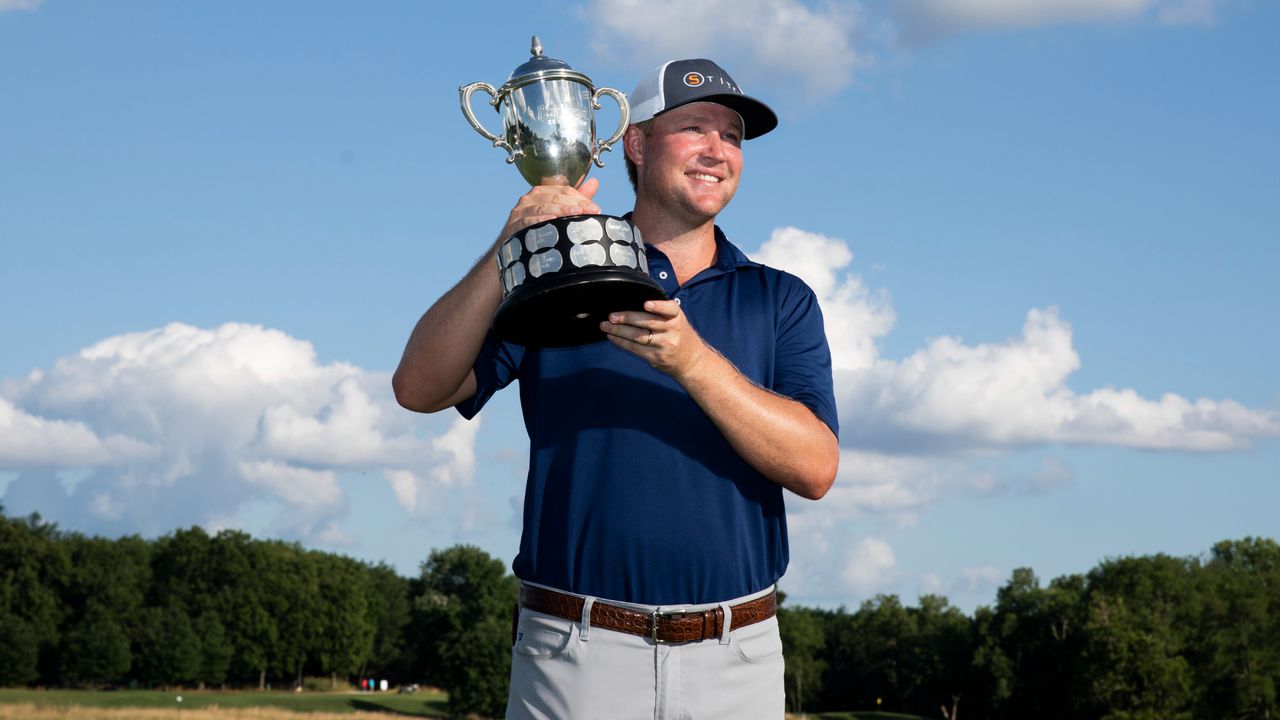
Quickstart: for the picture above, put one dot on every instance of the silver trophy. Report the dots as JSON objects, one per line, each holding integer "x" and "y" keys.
{"x": 562, "y": 277}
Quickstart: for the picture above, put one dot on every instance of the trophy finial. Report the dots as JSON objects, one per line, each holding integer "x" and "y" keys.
{"x": 535, "y": 47}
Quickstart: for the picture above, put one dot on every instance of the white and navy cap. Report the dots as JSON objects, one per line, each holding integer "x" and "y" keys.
{"x": 680, "y": 82}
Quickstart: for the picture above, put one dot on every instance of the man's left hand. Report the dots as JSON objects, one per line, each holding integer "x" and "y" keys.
{"x": 661, "y": 334}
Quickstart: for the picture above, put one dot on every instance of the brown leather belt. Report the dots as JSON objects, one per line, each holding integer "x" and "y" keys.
{"x": 660, "y": 627}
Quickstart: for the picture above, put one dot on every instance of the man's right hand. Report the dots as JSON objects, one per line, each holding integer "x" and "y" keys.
{"x": 546, "y": 202}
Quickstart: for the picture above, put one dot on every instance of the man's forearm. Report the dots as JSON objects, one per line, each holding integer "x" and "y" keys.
{"x": 437, "y": 360}
{"x": 779, "y": 437}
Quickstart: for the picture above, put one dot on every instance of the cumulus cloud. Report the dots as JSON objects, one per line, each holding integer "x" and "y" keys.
{"x": 855, "y": 317}
{"x": 809, "y": 46}
{"x": 949, "y": 396}
{"x": 455, "y": 465}
{"x": 30, "y": 441}
{"x": 923, "y": 21}
{"x": 869, "y": 567}
{"x": 1189, "y": 12}
{"x": 184, "y": 425}
{"x": 943, "y": 421}
{"x": 981, "y": 578}
{"x": 7, "y": 5}
{"x": 815, "y": 47}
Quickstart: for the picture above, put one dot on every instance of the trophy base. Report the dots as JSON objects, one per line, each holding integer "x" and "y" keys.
{"x": 567, "y": 311}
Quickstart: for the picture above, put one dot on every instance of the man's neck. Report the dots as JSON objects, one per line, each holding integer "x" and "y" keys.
{"x": 690, "y": 247}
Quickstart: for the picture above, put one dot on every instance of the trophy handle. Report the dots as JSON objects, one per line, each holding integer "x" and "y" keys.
{"x": 464, "y": 94}
{"x": 624, "y": 119}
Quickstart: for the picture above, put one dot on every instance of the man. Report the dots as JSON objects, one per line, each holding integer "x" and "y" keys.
{"x": 654, "y": 526}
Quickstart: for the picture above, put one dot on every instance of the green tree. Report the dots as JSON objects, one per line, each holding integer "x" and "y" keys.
{"x": 1140, "y": 610}
{"x": 343, "y": 629}
{"x": 169, "y": 650}
{"x": 291, "y": 578}
{"x": 1238, "y": 653}
{"x": 35, "y": 568}
{"x": 803, "y": 639}
{"x": 389, "y": 601}
{"x": 95, "y": 649}
{"x": 1028, "y": 657}
{"x": 241, "y": 602}
{"x": 940, "y": 656}
{"x": 19, "y": 652}
{"x": 466, "y": 604}
{"x": 181, "y": 572}
{"x": 216, "y": 651}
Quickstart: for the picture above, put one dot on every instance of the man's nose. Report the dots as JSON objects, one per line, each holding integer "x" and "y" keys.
{"x": 714, "y": 147}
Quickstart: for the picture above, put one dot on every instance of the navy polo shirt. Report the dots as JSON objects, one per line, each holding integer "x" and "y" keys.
{"x": 632, "y": 493}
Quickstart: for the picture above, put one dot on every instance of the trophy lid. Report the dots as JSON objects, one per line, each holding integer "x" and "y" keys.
{"x": 540, "y": 65}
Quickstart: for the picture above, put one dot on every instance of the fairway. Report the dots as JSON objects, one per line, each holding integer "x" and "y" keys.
{"x": 165, "y": 703}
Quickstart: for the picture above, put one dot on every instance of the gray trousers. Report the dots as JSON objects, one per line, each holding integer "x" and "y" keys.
{"x": 562, "y": 669}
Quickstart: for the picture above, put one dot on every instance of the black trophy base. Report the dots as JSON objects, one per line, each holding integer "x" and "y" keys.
{"x": 567, "y": 311}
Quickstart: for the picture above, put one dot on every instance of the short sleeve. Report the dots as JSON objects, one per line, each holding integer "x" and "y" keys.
{"x": 802, "y": 357}
{"x": 496, "y": 366}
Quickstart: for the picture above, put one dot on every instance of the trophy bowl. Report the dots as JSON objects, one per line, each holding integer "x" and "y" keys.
{"x": 560, "y": 278}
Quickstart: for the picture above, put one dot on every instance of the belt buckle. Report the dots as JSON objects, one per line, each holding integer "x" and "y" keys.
{"x": 654, "y": 616}
{"x": 653, "y": 627}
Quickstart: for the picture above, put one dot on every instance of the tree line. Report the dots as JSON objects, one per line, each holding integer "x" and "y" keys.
{"x": 229, "y": 611}
{"x": 1135, "y": 638}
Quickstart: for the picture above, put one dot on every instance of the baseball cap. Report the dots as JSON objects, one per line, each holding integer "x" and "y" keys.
{"x": 680, "y": 82}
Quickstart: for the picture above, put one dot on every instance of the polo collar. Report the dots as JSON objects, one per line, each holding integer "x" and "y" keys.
{"x": 728, "y": 257}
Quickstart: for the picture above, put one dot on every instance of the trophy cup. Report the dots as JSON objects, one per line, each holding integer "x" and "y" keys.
{"x": 562, "y": 277}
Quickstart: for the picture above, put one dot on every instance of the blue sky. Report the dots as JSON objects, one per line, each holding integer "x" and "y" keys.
{"x": 1043, "y": 232}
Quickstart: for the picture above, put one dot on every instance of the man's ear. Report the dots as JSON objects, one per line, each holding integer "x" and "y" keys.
{"x": 633, "y": 145}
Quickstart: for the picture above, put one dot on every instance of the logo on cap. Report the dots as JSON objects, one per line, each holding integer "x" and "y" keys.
{"x": 694, "y": 79}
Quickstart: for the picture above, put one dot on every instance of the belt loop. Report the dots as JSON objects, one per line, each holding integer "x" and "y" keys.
{"x": 515, "y": 623}
{"x": 584, "y": 626}
{"x": 728, "y": 621}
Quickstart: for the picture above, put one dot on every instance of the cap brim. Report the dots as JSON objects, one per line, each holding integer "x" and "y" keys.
{"x": 757, "y": 116}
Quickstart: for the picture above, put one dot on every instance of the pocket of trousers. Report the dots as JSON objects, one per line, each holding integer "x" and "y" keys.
{"x": 542, "y": 636}
{"x": 758, "y": 643}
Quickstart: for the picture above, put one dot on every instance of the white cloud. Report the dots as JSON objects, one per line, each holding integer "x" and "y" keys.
{"x": 877, "y": 484}
{"x": 187, "y": 425}
{"x": 786, "y": 44}
{"x": 405, "y": 486}
{"x": 938, "y": 422}
{"x": 7, "y": 5}
{"x": 454, "y": 467}
{"x": 457, "y": 448}
{"x": 854, "y": 317}
{"x": 27, "y": 440}
{"x": 923, "y": 21}
{"x": 814, "y": 47}
{"x": 870, "y": 567}
{"x": 1189, "y": 12}
{"x": 300, "y": 488}
{"x": 982, "y": 578}
{"x": 949, "y": 396}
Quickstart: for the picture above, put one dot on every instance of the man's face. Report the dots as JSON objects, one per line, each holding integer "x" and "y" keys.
{"x": 692, "y": 159}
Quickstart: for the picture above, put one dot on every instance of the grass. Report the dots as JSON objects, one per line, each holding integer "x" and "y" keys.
{"x": 164, "y": 704}
{"x": 871, "y": 715}
{"x": 18, "y": 704}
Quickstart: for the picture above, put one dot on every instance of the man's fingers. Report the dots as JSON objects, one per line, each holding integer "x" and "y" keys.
{"x": 645, "y": 320}
{"x": 637, "y": 332}
{"x": 589, "y": 188}
{"x": 666, "y": 309}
